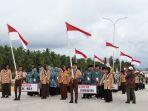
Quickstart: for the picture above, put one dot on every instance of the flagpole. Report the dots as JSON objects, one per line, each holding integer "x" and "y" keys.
{"x": 76, "y": 57}
{"x": 13, "y": 57}
{"x": 94, "y": 62}
{"x": 70, "y": 58}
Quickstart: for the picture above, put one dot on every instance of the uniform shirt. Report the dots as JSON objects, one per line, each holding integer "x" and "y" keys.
{"x": 6, "y": 76}
{"x": 76, "y": 74}
{"x": 130, "y": 80}
{"x": 20, "y": 75}
{"x": 45, "y": 76}
{"x": 87, "y": 77}
{"x": 63, "y": 77}
{"x": 108, "y": 81}
{"x": 122, "y": 78}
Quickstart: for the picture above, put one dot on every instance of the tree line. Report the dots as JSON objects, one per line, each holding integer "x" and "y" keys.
{"x": 26, "y": 58}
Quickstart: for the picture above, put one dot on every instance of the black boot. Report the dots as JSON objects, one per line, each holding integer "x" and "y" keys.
{"x": 71, "y": 102}
{"x": 18, "y": 97}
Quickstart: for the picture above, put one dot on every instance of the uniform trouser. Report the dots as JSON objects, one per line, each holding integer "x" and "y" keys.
{"x": 9, "y": 89}
{"x": 123, "y": 87}
{"x": 130, "y": 94}
{"x": 108, "y": 95}
{"x": 101, "y": 91}
{"x": 5, "y": 89}
{"x": 63, "y": 90}
{"x": 74, "y": 86}
{"x": 18, "y": 84}
{"x": 44, "y": 90}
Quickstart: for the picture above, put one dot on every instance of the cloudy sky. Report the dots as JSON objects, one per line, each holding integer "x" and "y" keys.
{"x": 42, "y": 23}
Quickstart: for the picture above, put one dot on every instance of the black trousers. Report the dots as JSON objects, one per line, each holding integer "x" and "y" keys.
{"x": 18, "y": 85}
{"x": 108, "y": 95}
{"x": 45, "y": 90}
{"x": 5, "y": 89}
{"x": 136, "y": 86}
{"x": 123, "y": 87}
{"x": 101, "y": 91}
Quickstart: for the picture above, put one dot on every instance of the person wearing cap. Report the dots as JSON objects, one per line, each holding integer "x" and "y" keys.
{"x": 45, "y": 79}
{"x": 63, "y": 81}
{"x": 87, "y": 80}
{"x": 19, "y": 77}
{"x": 130, "y": 85}
{"x": 123, "y": 81}
{"x": 74, "y": 75}
{"x": 108, "y": 83}
{"x": 5, "y": 81}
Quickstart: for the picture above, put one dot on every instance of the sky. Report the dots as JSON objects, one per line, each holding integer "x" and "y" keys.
{"x": 42, "y": 23}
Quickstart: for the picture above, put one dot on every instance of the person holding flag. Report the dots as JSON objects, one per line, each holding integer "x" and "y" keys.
{"x": 19, "y": 77}
{"x": 74, "y": 82}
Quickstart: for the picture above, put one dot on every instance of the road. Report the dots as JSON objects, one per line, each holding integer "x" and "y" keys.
{"x": 28, "y": 103}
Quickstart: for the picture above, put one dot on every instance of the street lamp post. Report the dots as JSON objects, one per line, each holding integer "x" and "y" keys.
{"x": 114, "y": 30}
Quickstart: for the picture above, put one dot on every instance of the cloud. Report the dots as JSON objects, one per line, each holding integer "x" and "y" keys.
{"x": 42, "y": 23}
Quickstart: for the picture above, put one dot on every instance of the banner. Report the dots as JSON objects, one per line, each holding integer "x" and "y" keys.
{"x": 84, "y": 89}
{"x": 26, "y": 87}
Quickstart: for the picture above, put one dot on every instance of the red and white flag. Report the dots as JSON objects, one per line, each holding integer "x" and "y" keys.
{"x": 136, "y": 62}
{"x": 73, "y": 28}
{"x": 111, "y": 45}
{"x": 99, "y": 59}
{"x": 125, "y": 56}
{"x": 15, "y": 35}
{"x": 80, "y": 53}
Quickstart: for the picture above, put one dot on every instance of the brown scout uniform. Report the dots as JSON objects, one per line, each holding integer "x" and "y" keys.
{"x": 18, "y": 83}
{"x": 6, "y": 78}
{"x": 63, "y": 81}
{"x": 123, "y": 82}
{"x": 74, "y": 84}
{"x": 44, "y": 79}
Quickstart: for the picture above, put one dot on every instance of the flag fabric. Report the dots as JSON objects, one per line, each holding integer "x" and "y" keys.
{"x": 80, "y": 53}
{"x": 73, "y": 28}
{"x": 99, "y": 59}
{"x": 125, "y": 55}
{"x": 136, "y": 62}
{"x": 19, "y": 37}
{"x": 111, "y": 45}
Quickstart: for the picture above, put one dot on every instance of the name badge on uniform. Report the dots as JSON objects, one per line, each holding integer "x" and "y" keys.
{"x": 88, "y": 78}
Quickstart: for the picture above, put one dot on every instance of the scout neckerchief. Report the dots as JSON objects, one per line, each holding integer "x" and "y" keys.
{"x": 45, "y": 72}
{"x": 74, "y": 72}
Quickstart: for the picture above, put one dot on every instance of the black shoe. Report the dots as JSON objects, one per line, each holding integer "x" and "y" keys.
{"x": 134, "y": 102}
{"x": 15, "y": 99}
{"x": 3, "y": 97}
{"x": 76, "y": 102}
{"x": 127, "y": 102}
{"x": 7, "y": 97}
{"x": 71, "y": 102}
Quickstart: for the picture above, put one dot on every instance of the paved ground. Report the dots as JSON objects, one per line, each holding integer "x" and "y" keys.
{"x": 54, "y": 104}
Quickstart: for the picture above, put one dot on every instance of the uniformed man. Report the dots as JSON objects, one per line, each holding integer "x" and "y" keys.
{"x": 19, "y": 77}
{"x": 75, "y": 74}
{"x": 63, "y": 79}
{"x": 45, "y": 79}
{"x": 123, "y": 81}
{"x": 87, "y": 80}
{"x": 6, "y": 78}
{"x": 130, "y": 86}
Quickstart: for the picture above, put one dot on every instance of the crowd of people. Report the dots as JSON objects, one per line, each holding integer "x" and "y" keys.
{"x": 55, "y": 81}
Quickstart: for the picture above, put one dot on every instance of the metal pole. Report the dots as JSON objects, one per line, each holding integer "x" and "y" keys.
{"x": 114, "y": 32}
